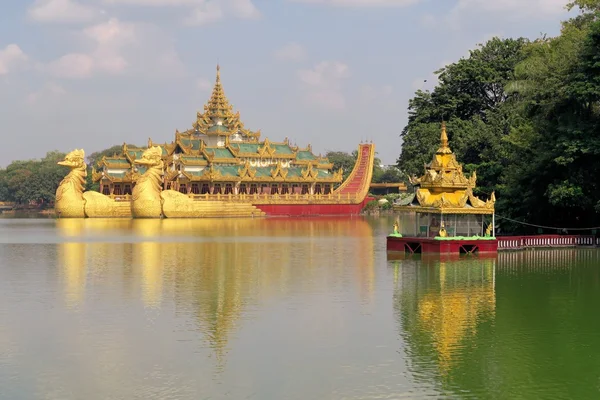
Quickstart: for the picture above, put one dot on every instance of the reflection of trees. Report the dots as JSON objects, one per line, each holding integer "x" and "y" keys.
{"x": 525, "y": 331}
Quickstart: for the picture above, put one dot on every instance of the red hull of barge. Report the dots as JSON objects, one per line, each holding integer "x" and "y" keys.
{"x": 414, "y": 245}
{"x": 312, "y": 210}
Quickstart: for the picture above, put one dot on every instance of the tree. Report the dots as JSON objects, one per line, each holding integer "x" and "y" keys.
{"x": 526, "y": 116}
{"x": 471, "y": 97}
{"x": 554, "y": 154}
{"x": 341, "y": 159}
{"x": 32, "y": 181}
{"x": 95, "y": 157}
{"x": 391, "y": 175}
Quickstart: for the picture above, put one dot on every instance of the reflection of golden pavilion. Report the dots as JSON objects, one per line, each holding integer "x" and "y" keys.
{"x": 215, "y": 271}
{"x": 444, "y": 304}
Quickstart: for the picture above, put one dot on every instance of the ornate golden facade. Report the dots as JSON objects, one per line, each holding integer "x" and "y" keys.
{"x": 218, "y": 155}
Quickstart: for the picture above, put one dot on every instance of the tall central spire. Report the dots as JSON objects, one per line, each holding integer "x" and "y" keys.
{"x": 218, "y": 116}
{"x": 218, "y": 108}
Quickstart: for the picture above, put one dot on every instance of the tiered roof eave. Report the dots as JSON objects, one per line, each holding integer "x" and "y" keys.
{"x": 444, "y": 189}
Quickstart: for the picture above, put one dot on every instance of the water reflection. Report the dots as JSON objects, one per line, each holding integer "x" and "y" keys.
{"x": 441, "y": 304}
{"x": 215, "y": 273}
{"x": 502, "y": 327}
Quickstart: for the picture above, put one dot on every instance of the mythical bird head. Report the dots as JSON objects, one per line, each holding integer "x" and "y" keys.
{"x": 151, "y": 157}
{"x": 74, "y": 159}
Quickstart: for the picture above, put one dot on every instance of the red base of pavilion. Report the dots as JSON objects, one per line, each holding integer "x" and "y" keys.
{"x": 424, "y": 245}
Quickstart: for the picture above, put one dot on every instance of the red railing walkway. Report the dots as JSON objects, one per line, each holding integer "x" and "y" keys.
{"x": 545, "y": 241}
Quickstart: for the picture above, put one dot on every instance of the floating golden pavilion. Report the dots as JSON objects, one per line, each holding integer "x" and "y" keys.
{"x": 217, "y": 168}
{"x": 443, "y": 208}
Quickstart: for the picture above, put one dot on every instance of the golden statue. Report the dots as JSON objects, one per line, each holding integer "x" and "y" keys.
{"x": 488, "y": 230}
{"x": 73, "y": 202}
{"x": 442, "y": 232}
{"x": 150, "y": 201}
{"x": 396, "y": 227}
{"x": 146, "y": 195}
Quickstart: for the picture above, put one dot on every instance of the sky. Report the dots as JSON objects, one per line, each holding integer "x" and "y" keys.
{"x": 94, "y": 73}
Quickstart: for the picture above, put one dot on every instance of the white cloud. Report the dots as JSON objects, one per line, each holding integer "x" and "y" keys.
{"x": 201, "y": 12}
{"x": 10, "y": 58}
{"x": 62, "y": 11}
{"x": 113, "y": 33}
{"x": 205, "y": 13}
{"x": 118, "y": 47}
{"x": 291, "y": 52}
{"x": 154, "y": 3}
{"x": 73, "y": 66}
{"x": 244, "y": 9}
{"x": 323, "y": 84}
{"x": 109, "y": 39}
{"x": 50, "y": 91}
{"x": 522, "y": 8}
{"x": 508, "y": 10}
{"x": 362, "y": 3}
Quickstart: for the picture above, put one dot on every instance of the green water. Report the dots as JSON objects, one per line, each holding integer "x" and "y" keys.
{"x": 285, "y": 309}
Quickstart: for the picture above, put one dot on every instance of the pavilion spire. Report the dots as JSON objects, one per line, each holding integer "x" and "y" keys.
{"x": 218, "y": 107}
{"x": 218, "y": 112}
{"x": 444, "y": 147}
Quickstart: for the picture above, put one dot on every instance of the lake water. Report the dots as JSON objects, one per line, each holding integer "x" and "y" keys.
{"x": 285, "y": 309}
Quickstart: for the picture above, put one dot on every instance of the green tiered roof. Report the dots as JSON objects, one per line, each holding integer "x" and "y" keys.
{"x": 191, "y": 154}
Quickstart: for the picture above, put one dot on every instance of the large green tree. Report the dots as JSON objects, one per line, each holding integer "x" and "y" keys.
{"x": 554, "y": 153}
{"x": 471, "y": 96}
{"x": 32, "y": 181}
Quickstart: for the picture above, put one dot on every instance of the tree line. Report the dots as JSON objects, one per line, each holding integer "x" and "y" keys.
{"x": 525, "y": 115}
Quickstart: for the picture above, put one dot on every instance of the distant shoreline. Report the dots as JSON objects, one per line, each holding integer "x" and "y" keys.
{"x": 28, "y": 213}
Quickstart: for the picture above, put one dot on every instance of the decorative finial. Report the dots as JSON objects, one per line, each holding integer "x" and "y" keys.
{"x": 218, "y": 73}
{"x": 444, "y": 136}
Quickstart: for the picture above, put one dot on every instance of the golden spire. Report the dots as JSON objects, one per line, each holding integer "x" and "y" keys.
{"x": 218, "y": 109}
{"x": 444, "y": 136}
{"x": 444, "y": 148}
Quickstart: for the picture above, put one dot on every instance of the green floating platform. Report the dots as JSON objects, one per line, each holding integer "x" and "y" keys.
{"x": 465, "y": 238}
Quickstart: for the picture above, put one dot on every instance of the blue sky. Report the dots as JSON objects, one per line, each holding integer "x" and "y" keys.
{"x": 94, "y": 73}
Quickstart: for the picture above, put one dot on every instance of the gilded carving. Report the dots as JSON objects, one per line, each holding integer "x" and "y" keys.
{"x": 443, "y": 184}
{"x": 71, "y": 200}
{"x": 150, "y": 201}
{"x": 146, "y": 199}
